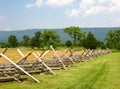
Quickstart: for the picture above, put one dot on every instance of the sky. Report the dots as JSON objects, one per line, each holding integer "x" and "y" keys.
{"x": 51, "y": 14}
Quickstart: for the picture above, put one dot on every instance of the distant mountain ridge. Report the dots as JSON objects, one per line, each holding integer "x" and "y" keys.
{"x": 99, "y": 33}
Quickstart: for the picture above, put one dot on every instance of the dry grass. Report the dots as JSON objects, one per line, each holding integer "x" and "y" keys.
{"x": 15, "y": 56}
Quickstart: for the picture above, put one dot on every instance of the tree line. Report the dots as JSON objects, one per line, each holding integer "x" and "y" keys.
{"x": 78, "y": 39}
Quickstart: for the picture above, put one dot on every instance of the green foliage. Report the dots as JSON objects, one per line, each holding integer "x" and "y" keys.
{"x": 3, "y": 45}
{"x": 45, "y": 39}
{"x": 113, "y": 39}
{"x": 33, "y": 41}
{"x": 50, "y": 37}
{"x": 12, "y": 41}
{"x": 36, "y": 40}
{"x": 78, "y": 39}
{"x": 91, "y": 42}
{"x": 101, "y": 45}
{"x": 75, "y": 33}
{"x": 26, "y": 40}
{"x": 68, "y": 43}
{"x": 83, "y": 41}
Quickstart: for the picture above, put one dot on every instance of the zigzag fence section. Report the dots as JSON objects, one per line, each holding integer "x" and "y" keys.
{"x": 13, "y": 70}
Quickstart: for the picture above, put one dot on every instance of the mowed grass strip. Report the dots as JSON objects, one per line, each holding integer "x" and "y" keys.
{"x": 100, "y": 73}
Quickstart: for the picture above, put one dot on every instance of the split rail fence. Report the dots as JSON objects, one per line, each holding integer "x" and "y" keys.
{"x": 13, "y": 70}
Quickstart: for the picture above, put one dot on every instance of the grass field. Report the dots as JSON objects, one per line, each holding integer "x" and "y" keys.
{"x": 100, "y": 73}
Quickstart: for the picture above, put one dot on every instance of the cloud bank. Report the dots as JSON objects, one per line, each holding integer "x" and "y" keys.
{"x": 58, "y": 2}
{"x": 84, "y": 7}
{"x": 38, "y": 3}
{"x": 53, "y": 3}
{"x": 93, "y": 7}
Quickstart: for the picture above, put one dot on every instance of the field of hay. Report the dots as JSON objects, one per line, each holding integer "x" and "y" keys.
{"x": 14, "y": 55}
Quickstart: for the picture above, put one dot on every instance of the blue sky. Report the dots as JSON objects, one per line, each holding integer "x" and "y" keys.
{"x": 28, "y": 14}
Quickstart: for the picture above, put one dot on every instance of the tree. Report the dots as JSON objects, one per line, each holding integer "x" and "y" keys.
{"x": 75, "y": 34}
{"x": 3, "y": 45}
{"x": 36, "y": 40}
{"x": 68, "y": 43}
{"x": 83, "y": 40}
{"x": 113, "y": 39}
{"x": 50, "y": 37}
{"x": 101, "y": 45}
{"x": 91, "y": 42}
{"x": 26, "y": 40}
{"x": 12, "y": 41}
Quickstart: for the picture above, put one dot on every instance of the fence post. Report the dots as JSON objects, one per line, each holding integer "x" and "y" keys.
{"x": 58, "y": 57}
{"x": 8, "y": 59}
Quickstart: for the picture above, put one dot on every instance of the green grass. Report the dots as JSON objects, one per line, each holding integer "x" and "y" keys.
{"x": 100, "y": 73}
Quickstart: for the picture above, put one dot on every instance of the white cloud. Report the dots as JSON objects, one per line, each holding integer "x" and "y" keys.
{"x": 84, "y": 4}
{"x": 93, "y": 7}
{"x": 73, "y": 12}
{"x": 2, "y": 18}
{"x": 58, "y": 2}
{"x": 38, "y": 3}
{"x": 52, "y": 3}
{"x": 85, "y": 7}
{"x": 94, "y": 10}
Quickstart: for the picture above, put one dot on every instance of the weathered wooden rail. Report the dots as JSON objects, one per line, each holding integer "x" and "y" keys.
{"x": 12, "y": 70}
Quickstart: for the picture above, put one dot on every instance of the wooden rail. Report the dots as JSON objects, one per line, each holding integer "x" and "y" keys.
{"x": 12, "y": 70}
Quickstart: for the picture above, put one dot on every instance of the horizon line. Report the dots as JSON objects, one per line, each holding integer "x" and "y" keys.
{"x": 60, "y": 28}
